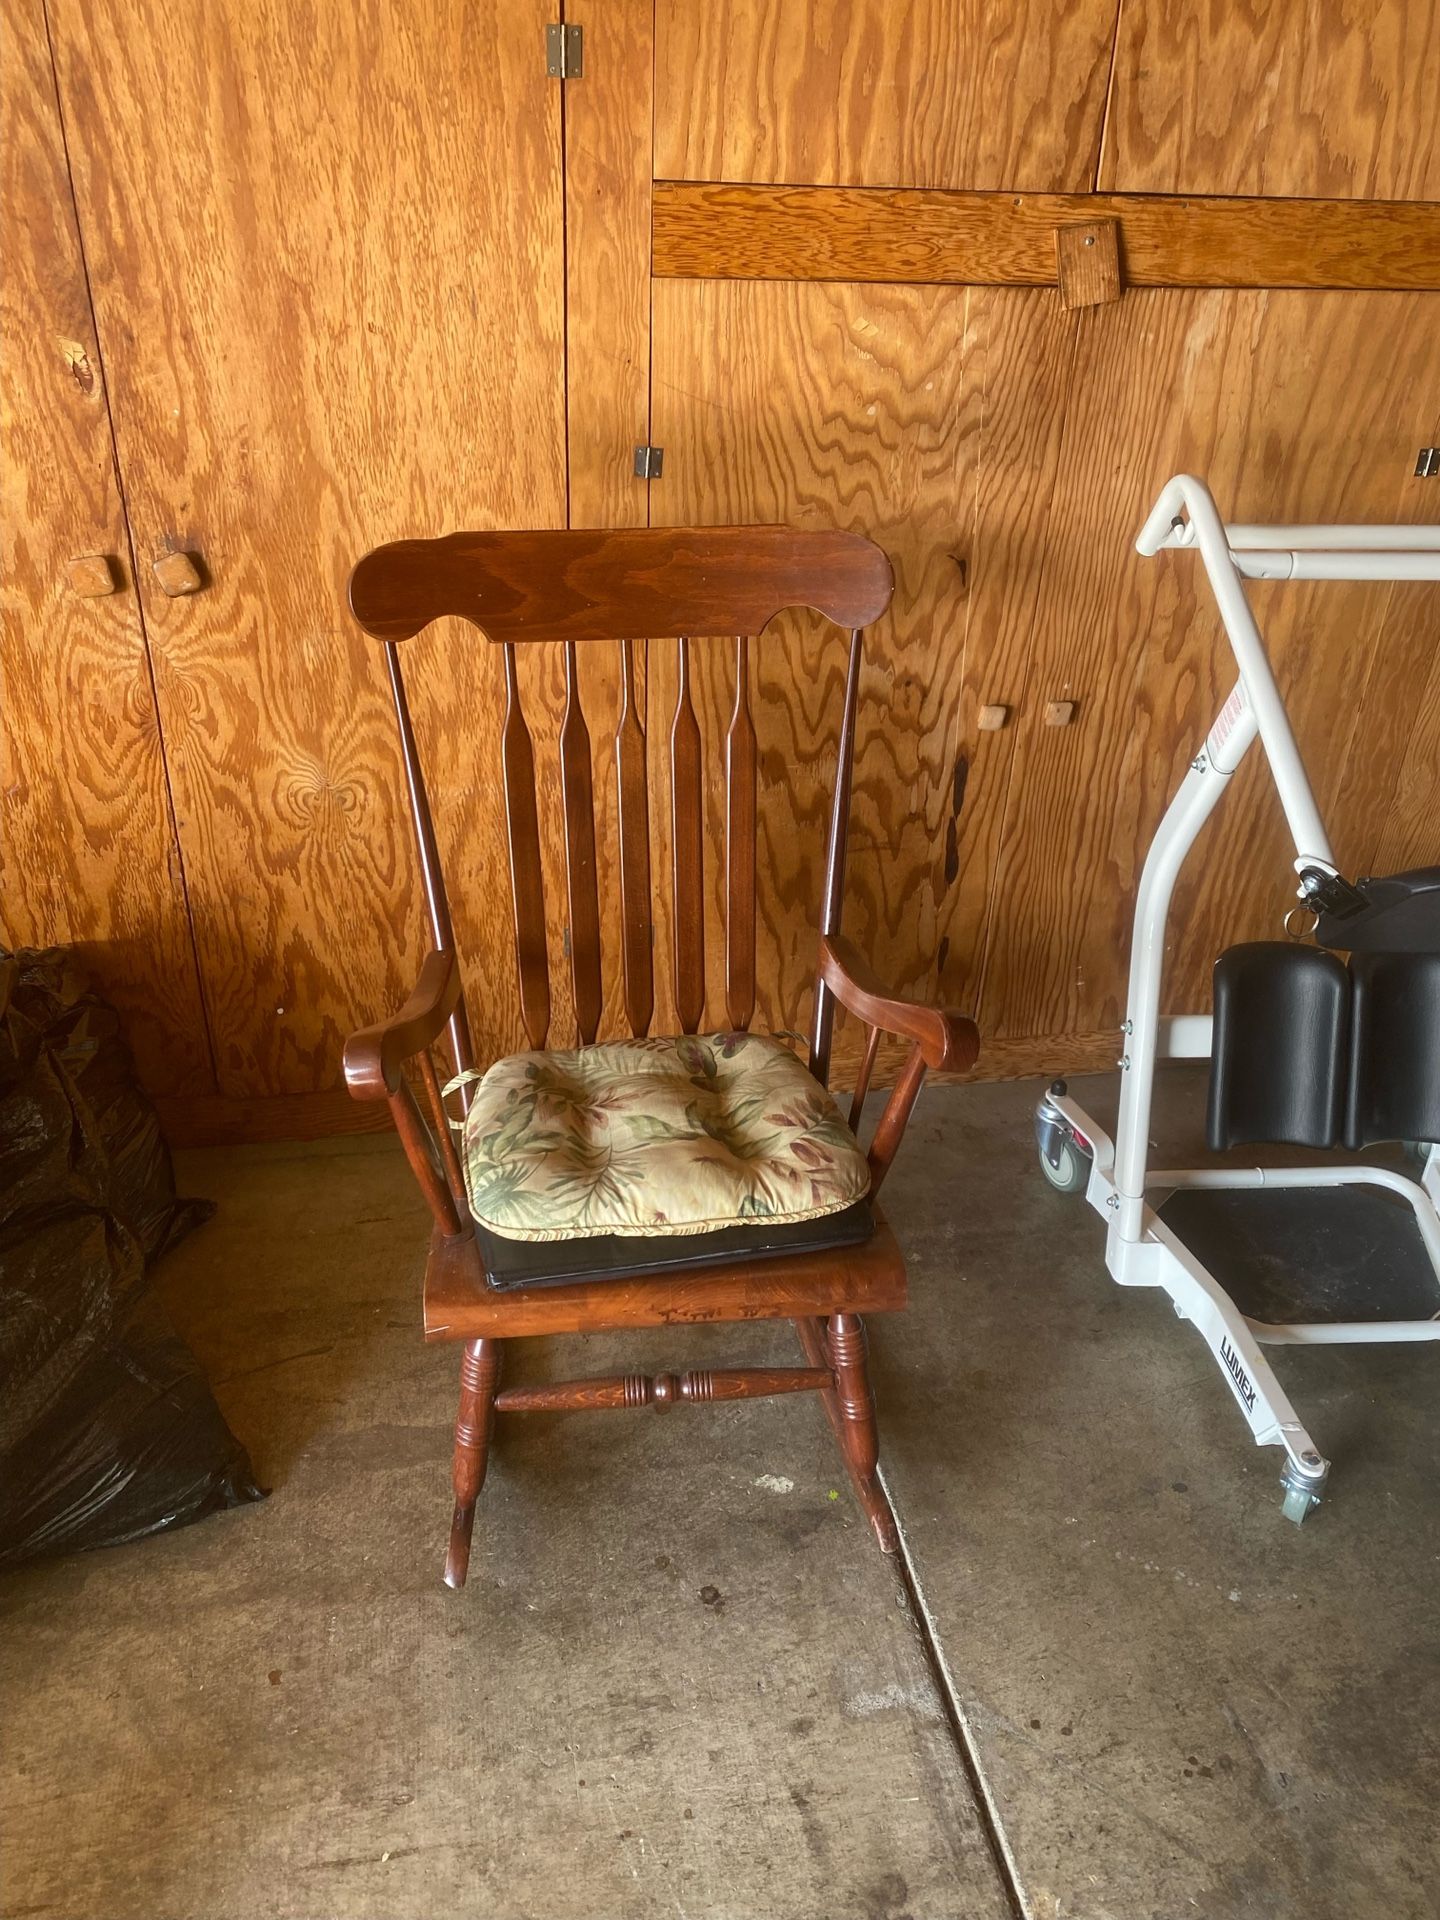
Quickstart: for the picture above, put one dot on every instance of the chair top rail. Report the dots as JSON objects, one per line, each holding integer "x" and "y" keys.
{"x": 638, "y": 583}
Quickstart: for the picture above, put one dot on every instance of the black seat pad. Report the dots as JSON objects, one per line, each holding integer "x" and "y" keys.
{"x": 617, "y": 1256}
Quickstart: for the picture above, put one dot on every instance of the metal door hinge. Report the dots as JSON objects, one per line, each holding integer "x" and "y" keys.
{"x": 1428, "y": 465}
{"x": 649, "y": 462}
{"x": 564, "y": 51}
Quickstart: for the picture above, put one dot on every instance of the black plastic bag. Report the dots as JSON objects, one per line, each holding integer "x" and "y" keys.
{"x": 108, "y": 1430}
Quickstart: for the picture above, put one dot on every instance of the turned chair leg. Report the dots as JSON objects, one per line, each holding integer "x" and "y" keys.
{"x": 479, "y": 1376}
{"x": 840, "y": 1343}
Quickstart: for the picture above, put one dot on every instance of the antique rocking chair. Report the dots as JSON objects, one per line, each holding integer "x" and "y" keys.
{"x": 646, "y": 1182}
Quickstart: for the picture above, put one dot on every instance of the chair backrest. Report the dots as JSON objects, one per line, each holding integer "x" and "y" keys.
{"x": 627, "y": 587}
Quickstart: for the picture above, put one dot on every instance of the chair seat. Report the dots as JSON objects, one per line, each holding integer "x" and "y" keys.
{"x": 460, "y": 1304}
{"x": 662, "y": 1136}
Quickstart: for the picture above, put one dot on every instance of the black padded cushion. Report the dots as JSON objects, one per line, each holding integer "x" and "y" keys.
{"x": 1394, "y": 1048}
{"x": 1279, "y": 1049}
{"x": 615, "y": 1256}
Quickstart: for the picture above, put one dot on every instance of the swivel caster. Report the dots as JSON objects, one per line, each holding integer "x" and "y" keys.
{"x": 1303, "y": 1491}
{"x": 1064, "y": 1159}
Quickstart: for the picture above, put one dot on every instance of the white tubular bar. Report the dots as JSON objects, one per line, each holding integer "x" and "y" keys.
{"x": 1333, "y": 539}
{"x": 1165, "y": 527}
{"x": 1338, "y": 566}
{"x": 1199, "y": 794}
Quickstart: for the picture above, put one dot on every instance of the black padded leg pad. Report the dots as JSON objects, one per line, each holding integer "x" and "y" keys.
{"x": 1394, "y": 1048}
{"x": 1279, "y": 1052}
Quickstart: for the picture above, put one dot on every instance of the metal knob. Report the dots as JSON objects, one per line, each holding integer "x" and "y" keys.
{"x": 91, "y": 575}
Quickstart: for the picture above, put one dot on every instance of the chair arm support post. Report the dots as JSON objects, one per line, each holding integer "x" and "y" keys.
{"x": 944, "y": 1040}
{"x": 420, "y": 1151}
{"x": 890, "y": 1128}
{"x": 375, "y": 1056}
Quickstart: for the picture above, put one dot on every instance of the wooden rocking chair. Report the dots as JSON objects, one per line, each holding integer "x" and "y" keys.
{"x": 627, "y": 587}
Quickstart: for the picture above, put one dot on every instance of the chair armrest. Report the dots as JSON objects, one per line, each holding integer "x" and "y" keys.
{"x": 375, "y": 1056}
{"x": 946, "y": 1040}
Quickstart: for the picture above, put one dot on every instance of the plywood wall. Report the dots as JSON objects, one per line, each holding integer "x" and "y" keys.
{"x": 324, "y": 327}
{"x": 292, "y": 284}
{"x": 1287, "y": 98}
{"x": 1048, "y": 436}
{"x": 87, "y": 847}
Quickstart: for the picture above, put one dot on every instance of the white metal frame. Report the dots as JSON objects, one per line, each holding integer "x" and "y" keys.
{"x": 1140, "y": 1249}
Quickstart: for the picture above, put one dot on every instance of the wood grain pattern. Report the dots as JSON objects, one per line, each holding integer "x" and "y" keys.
{"x": 1229, "y": 391}
{"x": 882, "y": 92}
{"x": 459, "y": 1305}
{"x": 576, "y": 789}
{"x": 740, "y": 769}
{"x": 88, "y": 856}
{"x": 1408, "y": 837}
{"x": 367, "y": 344}
{"x": 607, "y": 359}
{"x": 527, "y": 885}
{"x": 1286, "y": 98}
{"x": 1087, "y": 260}
{"x": 933, "y": 420}
{"x": 1008, "y": 239}
{"x": 631, "y": 783}
{"x": 687, "y": 849}
{"x": 628, "y": 583}
{"x": 607, "y": 264}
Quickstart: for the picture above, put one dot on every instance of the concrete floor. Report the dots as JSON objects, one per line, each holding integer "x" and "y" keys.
{"x": 681, "y": 1680}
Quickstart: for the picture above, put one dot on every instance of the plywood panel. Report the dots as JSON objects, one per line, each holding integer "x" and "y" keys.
{"x": 1410, "y": 834}
{"x": 607, "y": 347}
{"x": 326, "y": 250}
{"x": 607, "y": 245}
{"x": 1235, "y": 387}
{"x": 87, "y": 850}
{"x": 929, "y": 419}
{"x": 1286, "y": 98}
{"x": 946, "y": 93}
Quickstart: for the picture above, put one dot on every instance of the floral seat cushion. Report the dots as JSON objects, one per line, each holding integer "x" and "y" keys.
{"x": 658, "y": 1136}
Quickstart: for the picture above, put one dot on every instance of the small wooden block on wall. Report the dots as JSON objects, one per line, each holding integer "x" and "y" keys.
{"x": 1088, "y": 263}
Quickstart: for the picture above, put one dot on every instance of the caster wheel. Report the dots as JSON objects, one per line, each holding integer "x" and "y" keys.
{"x": 1297, "y": 1504}
{"x": 1072, "y": 1175}
{"x": 1302, "y": 1491}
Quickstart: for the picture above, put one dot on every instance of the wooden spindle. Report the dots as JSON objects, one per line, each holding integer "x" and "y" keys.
{"x": 579, "y": 802}
{"x": 527, "y": 886}
{"x": 740, "y": 849}
{"x": 431, "y": 877}
{"x": 620, "y": 1391}
{"x": 631, "y": 781}
{"x": 862, "y": 1084}
{"x": 687, "y": 852}
{"x": 891, "y": 1125}
{"x": 823, "y": 1022}
{"x": 421, "y": 1152}
{"x": 449, "y": 1158}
